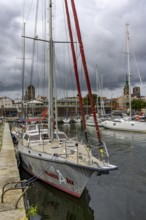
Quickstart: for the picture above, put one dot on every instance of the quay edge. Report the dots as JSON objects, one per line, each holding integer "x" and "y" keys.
{"x": 9, "y": 173}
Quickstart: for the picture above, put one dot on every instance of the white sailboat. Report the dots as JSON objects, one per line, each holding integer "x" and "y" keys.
{"x": 62, "y": 162}
{"x": 100, "y": 109}
{"x": 66, "y": 120}
{"x": 90, "y": 121}
{"x": 77, "y": 118}
{"x": 126, "y": 124}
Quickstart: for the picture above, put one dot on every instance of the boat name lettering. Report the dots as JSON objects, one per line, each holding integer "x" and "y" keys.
{"x": 52, "y": 175}
{"x": 61, "y": 178}
{"x": 70, "y": 181}
{"x": 52, "y": 169}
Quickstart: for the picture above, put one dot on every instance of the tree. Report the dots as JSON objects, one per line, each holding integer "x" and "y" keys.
{"x": 87, "y": 100}
{"x": 138, "y": 104}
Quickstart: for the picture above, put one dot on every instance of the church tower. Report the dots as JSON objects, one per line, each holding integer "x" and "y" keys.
{"x": 126, "y": 87}
{"x": 30, "y": 93}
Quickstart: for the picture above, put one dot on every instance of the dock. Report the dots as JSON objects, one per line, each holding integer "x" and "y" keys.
{"x": 12, "y": 203}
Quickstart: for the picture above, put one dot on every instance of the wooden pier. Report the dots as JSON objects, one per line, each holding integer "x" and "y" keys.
{"x": 12, "y": 204}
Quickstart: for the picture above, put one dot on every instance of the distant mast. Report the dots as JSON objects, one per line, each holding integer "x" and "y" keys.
{"x": 50, "y": 76}
{"x": 128, "y": 66}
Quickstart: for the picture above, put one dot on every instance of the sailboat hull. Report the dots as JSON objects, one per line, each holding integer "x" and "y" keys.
{"x": 135, "y": 126}
{"x": 68, "y": 177}
{"x": 90, "y": 122}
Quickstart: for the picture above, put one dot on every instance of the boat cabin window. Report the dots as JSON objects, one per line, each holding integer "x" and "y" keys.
{"x": 26, "y": 137}
{"x": 116, "y": 120}
{"x": 30, "y": 128}
{"x": 34, "y": 138}
{"x": 54, "y": 135}
{"x": 44, "y": 136}
{"x": 62, "y": 136}
{"x": 43, "y": 126}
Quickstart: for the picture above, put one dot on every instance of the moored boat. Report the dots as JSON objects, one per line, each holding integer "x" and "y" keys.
{"x": 64, "y": 163}
{"x": 126, "y": 123}
{"x": 48, "y": 154}
{"x": 90, "y": 121}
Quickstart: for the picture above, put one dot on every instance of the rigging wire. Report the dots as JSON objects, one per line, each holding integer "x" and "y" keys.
{"x": 72, "y": 81}
{"x": 34, "y": 43}
{"x": 55, "y": 93}
{"x": 68, "y": 49}
{"x": 40, "y": 73}
{"x": 133, "y": 54}
{"x": 27, "y": 16}
{"x": 23, "y": 11}
{"x": 44, "y": 45}
{"x": 37, "y": 176}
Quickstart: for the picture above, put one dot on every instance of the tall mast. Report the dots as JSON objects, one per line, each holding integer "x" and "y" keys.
{"x": 128, "y": 66}
{"x": 50, "y": 75}
{"x": 23, "y": 71}
{"x": 75, "y": 65}
{"x": 33, "y": 50}
{"x": 85, "y": 68}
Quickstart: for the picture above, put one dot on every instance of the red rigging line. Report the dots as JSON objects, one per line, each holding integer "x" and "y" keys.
{"x": 85, "y": 68}
{"x": 75, "y": 64}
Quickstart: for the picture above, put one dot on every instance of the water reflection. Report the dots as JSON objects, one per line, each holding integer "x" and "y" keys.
{"x": 119, "y": 195}
{"x": 54, "y": 204}
{"x": 120, "y": 135}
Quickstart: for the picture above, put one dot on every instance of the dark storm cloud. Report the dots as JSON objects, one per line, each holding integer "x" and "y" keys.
{"x": 102, "y": 24}
{"x": 9, "y": 38}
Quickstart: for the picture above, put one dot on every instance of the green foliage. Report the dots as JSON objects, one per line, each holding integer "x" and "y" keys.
{"x": 86, "y": 99}
{"x": 138, "y": 104}
{"x": 32, "y": 211}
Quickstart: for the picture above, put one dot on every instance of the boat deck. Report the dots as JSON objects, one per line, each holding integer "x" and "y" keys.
{"x": 69, "y": 151}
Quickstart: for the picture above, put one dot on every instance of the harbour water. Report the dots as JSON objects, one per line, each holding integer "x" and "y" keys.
{"x": 120, "y": 195}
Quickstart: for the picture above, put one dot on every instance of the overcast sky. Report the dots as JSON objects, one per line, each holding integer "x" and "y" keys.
{"x": 102, "y": 24}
